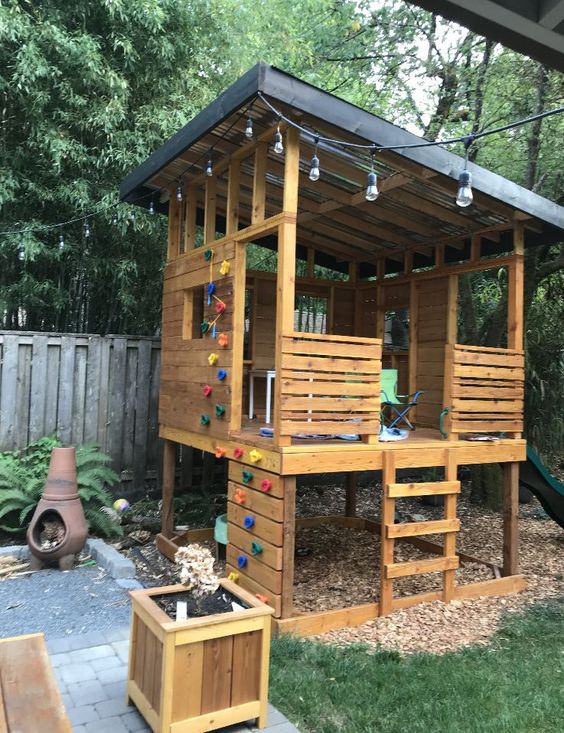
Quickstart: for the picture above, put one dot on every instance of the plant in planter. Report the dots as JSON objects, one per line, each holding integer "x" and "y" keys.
{"x": 195, "y": 663}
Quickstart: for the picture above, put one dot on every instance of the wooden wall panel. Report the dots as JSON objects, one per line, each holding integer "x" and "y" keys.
{"x": 432, "y": 318}
{"x": 184, "y": 367}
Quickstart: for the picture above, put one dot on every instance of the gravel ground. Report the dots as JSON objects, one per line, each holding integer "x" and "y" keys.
{"x": 62, "y": 603}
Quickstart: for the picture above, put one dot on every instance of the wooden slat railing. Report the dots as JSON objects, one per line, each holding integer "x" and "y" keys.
{"x": 486, "y": 389}
{"x": 330, "y": 385}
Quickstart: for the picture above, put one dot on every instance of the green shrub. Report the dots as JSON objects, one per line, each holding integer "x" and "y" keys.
{"x": 23, "y": 474}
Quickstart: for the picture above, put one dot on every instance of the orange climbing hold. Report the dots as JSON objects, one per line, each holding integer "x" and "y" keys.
{"x": 262, "y": 599}
{"x": 220, "y": 452}
{"x": 240, "y": 496}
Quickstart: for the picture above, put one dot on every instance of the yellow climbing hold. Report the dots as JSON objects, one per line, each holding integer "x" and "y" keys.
{"x": 225, "y": 267}
{"x": 213, "y": 359}
{"x": 255, "y": 456}
{"x": 233, "y": 577}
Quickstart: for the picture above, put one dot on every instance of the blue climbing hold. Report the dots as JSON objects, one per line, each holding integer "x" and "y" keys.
{"x": 241, "y": 561}
{"x": 221, "y": 374}
{"x": 248, "y": 522}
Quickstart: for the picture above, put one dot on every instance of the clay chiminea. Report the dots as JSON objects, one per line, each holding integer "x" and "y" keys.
{"x": 58, "y": 529}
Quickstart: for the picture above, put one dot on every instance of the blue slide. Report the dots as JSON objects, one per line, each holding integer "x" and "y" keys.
{"x": 535, "y": 476}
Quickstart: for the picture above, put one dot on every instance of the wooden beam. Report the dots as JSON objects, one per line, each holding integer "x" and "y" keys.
{"x": 233, "y": 190}
{"x": 449, "y": 542}
{"x": 237, "y": 337}
{"x": 167, "y": 510}
{"x": 259, "y": 183}
{"x": 510, "y": 519}
{"x": 210, "y": 210}
{"x": 174, "y": 211}
{"x": 387, "y": 516}
{"x": 190, "y": 218}
{"x": 350, "y": 494}
{"x": 289, "y": 544}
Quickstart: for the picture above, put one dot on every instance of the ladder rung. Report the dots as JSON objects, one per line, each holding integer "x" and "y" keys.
{"x": 431, "y": 488}
{"x": 416, "y": 529}
{"x": 418, "y": 567}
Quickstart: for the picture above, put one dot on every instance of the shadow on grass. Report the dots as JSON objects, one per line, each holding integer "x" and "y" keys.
{"x": 514, "y": 685}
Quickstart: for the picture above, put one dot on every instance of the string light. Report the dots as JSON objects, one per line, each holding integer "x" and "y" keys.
{"x": 249, "y": 129}
{"x": 86, "y": 229}
{"x": 114, "y": 219}
{"x": 314, "y": 164}
{"x": 464, "y": 196}
{"x": 372, "y": 192}
{"x": 21, "y": 252}
{"x": 209, "y": 168}
{"x": 278, "y": 143}
{"x": 151, "y": 207}
{"x": 61, "y": 242}
{"x": 179, "y": 191}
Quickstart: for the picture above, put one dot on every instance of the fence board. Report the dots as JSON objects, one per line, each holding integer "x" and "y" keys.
{"x": 83, "y": 388}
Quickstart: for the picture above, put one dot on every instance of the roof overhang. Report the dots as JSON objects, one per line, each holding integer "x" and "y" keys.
{"x": 532, "y": 27}
{"x": 316, "y": 107}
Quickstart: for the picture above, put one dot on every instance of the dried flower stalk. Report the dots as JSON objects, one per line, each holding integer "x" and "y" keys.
{"x": 196, "y": 569}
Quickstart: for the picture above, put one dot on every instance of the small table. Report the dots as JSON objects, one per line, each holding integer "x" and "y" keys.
{"x": 269, "y": 375}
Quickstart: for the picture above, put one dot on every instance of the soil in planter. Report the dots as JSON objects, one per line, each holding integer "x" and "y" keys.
{"x": 218, "y": 602}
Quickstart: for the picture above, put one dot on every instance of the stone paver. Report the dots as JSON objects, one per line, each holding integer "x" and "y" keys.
{"x": 92, "y": 680}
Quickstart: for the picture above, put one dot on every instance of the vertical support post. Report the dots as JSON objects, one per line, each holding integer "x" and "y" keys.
{"x": 190, "y": 219}
{"x": 475, "y": 248}
{"x": 210, "y": 210}
{"x": 174, "y": 210}
{"x": 239, "y": 275}
{"x": 259, "y": 183}
{"x": 408, "y": 262}
{"x": 413, "y": 339}
{"x": 286, "y": 275}
{"x": 350, "y": 494}
{"x": 440, "y": 255}
{"x": 380, "y": 311}
{"x": 515, "y": 294}
{"x": 451, "y": 339}
{"x": 167, "y": 511}
{"x": 288, "y": 549}
{"x": 233, "y": 184}
{"x": 510, "y": 518}
{"x": 387, "y": 515}
{"x": 310, "y": 262}
{"x": 449, "y": 546}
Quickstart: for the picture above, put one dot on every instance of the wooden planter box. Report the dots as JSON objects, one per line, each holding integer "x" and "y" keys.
{"x": 201, "y": 674}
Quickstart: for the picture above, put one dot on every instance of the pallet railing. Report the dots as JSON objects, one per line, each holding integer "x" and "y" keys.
{"x": 486, "y": 388}
{"x": 330, "y": 385}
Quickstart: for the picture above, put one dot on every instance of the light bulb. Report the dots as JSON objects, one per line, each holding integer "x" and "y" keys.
{"x": 132, "y": 217}
{"x": 115, "y": 219}
{"x": 21, "y": 253}
{"x": 209, "y": 168}
{"x": 249, "y": 129}
{"x": 464, "y": 197}
{"x": 179, "y": 192}
{"x": 278, "y": 144}
{"x": 61, "y": 242}
{"x": 372, "y": 187}
{"x": 314, "y": 169}
{"x": 86, "y": 229}
{"x": 151, "y": 207}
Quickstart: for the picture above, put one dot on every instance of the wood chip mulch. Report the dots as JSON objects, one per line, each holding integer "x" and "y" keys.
{"x": 339, "y": 567}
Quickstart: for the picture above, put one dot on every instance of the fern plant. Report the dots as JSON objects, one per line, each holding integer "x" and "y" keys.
{"x": 23, "y": 474}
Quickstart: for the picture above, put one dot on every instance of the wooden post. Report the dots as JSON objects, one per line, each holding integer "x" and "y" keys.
{"x": 210, "y": 210}
{"x": 167, "y": 511}
{"x": 286, "y": 275}
{"x": 233, "y": 184}
{"x": 190, "y": 219}
{"x": 174, "y": 210}
{"x": 350, "y": 494}
{"x": 380, "y": 310}
{"x": 259, "y": 183}
{"x": 515, "y": 294}
{"x": 387, "y": 516}
{"x": 449, "y": 545}
{"x": 510, "y": 518}
{"x": 288, "y": 549}
{"x": 239, "y": 274}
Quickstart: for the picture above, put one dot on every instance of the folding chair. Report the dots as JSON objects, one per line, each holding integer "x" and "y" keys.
{"x": 390, "y": 398}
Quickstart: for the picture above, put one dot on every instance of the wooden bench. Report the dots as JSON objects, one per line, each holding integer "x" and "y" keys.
{"x": 30, "y": 700}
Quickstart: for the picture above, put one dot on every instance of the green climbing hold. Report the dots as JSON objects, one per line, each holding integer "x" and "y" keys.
{"x": 247, "y": 477}
{"x": 219, "y": 410}
{"x": 204, "y": 326}
{"x": 256, "y": 549}
{"x": 205, "y": 420}
{"x": 208, "y": 254}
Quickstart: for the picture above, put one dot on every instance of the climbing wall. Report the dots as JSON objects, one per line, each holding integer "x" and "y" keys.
{"x": 260, "y": 534}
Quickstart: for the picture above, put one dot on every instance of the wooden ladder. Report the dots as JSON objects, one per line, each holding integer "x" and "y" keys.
{"x": 390, "y": 530}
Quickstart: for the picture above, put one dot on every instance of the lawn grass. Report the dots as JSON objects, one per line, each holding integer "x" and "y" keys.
{"x": 515, "y": 685}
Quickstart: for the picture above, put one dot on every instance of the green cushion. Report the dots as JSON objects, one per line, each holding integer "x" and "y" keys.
{"x": 388, "y": 386}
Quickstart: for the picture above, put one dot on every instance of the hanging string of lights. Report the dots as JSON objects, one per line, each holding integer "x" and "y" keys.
{"x": 464, "y": 195}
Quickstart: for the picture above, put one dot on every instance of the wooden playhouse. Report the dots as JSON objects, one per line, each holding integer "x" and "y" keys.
{"x": 238, "y": 355}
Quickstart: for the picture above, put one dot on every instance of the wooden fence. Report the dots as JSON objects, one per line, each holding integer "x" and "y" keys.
{"x": 83, "y": 388}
